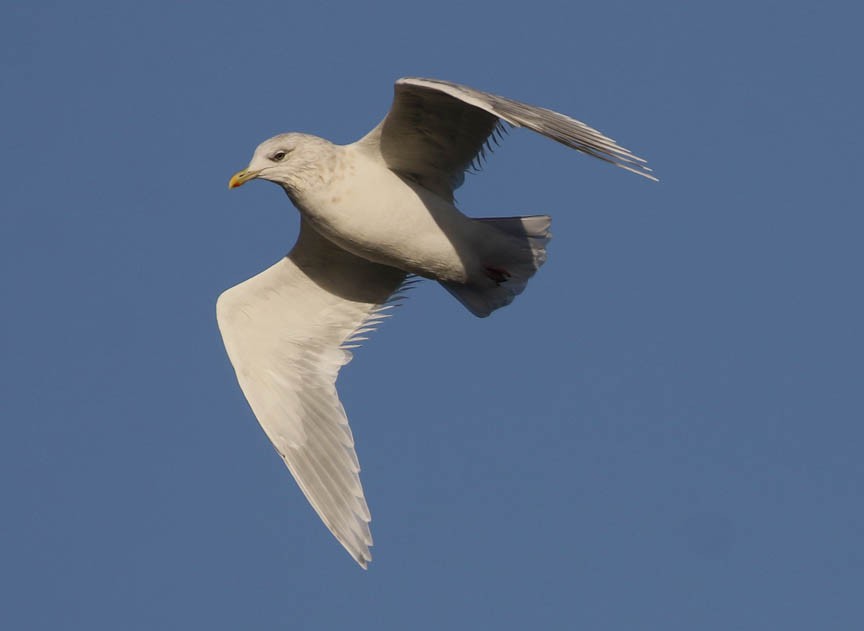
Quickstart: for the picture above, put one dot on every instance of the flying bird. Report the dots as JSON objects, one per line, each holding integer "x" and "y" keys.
{"x": 376, "y": 215}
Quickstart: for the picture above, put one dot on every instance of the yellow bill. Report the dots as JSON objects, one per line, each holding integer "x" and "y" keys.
{"x": 241, "y": 177}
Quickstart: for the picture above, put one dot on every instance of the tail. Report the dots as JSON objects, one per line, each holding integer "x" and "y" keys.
{"x": 508, "y": 274}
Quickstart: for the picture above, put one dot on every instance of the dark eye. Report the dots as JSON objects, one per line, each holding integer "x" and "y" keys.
{"x": 279, "y": 155}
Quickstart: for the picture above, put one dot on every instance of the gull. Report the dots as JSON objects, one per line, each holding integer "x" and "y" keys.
{"x": 376, "y": 216}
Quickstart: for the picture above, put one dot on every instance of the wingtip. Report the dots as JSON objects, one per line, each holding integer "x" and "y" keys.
{"x": 364, "y": 559}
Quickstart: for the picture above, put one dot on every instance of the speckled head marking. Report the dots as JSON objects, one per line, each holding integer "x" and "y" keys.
{"x": 294, "y": 161}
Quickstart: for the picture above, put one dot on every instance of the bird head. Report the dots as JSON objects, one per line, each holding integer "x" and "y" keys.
{"x": 286, "y": 159}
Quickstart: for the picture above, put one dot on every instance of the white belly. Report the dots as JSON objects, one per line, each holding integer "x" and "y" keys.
{"x": 371, "y": 212}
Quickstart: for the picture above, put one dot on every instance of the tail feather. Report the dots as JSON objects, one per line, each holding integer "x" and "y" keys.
{"x": 520, "y": 262}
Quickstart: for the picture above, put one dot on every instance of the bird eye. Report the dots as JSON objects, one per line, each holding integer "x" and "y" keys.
{"x": 279, "y": 156}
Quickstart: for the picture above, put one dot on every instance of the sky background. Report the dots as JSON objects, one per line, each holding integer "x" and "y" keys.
{"x": 663, "y": 432}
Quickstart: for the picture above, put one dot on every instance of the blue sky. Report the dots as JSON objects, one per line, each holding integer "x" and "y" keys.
{"x": 663, "y": 432}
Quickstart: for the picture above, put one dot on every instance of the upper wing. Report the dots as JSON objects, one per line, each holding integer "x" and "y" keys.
{"x": 287, "y": 331}
{"x": 436, "y": 129}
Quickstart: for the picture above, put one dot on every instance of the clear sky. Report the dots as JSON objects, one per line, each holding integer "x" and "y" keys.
{"x": 663, "y": 432}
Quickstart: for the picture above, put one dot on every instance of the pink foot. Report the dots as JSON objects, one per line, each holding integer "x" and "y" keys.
{"x": 498, "y": 274}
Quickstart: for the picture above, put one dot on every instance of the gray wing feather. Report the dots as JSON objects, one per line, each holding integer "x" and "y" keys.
{"x": 436, "y": 129}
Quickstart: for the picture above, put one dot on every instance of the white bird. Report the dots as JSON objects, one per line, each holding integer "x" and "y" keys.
{"x": 373, "y": 213}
